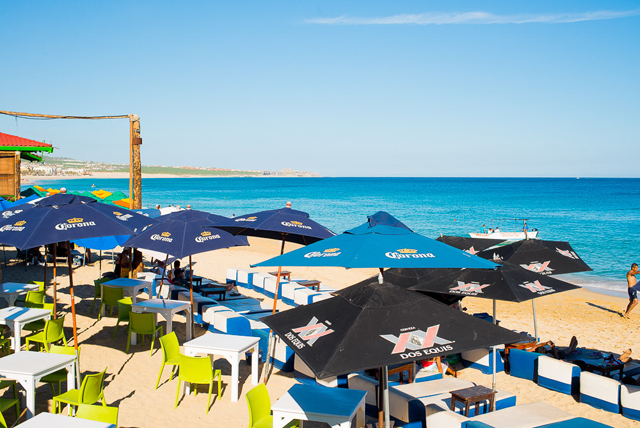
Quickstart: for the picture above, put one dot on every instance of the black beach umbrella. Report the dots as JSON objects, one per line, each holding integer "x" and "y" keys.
{"x": 372, "y": 324}
{"x": 64, "y": 218}
{"x": 543, "y": 257}
{"x": 470, "y": 245}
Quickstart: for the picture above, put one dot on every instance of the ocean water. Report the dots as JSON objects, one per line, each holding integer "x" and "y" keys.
{"x": 599, "y": 217}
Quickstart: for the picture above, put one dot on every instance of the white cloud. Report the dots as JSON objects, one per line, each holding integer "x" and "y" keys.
{"x": 478, "y": 18}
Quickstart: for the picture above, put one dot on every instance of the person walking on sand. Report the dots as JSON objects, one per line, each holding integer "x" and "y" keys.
{"x": 633, "y": 294}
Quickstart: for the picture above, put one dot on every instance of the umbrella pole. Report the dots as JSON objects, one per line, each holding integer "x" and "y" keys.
{"x": 535, "y": 321}
{"x": 493, "y": 385}
{"x": 100, "y": 265}
{"x": 164, "y": 269}
{"x": 73, "y": 310}
{"x": 191, "y": 285}
{"x": 55, "y": 284}
{"x": 45, "y": 266}
{"x": 271, "y": 343}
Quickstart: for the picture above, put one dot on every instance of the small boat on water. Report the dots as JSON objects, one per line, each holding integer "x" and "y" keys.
{"x": 497, "y": 233}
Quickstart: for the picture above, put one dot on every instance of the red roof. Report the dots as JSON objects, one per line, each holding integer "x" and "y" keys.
{"x": 7, "y": 140}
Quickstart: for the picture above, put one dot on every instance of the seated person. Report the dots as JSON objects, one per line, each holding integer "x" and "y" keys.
{"x": 123, "y": 264}
{"x": 177, "y": 273}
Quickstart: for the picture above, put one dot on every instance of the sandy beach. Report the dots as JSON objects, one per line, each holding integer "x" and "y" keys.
{"x": 594, "y": 318}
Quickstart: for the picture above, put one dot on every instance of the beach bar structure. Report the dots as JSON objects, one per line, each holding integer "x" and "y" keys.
{"x": 12, "y": 150}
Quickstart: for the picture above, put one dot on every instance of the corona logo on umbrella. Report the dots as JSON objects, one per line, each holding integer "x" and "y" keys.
{"x": 123, "y": 217}
{"x": 10, "y": 213}
{"x": 309, "y": 333}
{"x": 329, "y": 252}
{"x": 294, "y": 223}
{"x": 206, "y": 236}
{"x": 247, "y": 219}
{"x": 164, "y": 237}
{"x": 470, "y": 289}
{"x": 418, "y": 342}
{"x": 406, "y": 253}
{"x": 536, "y": 287}
{"x": 16, "y": 227}
{"x": 74, "y": 222}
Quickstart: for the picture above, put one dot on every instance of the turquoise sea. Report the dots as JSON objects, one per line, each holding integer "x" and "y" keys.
{"x": 599, "y": 217}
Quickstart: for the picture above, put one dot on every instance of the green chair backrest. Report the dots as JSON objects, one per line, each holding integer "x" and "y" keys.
{"x": 124, "y": 308}
{"x": 34, "y": 299}
{"x": 3, "y": 423}
{"x": 259, "y": 404}
{"x": 98, "y": 287}
{"x": 53, "y": 330}
{"x": 39, "y": 283}
{"x": 112, "y": 295}
{"x": 65, "y": 350}
{"x": 170, "y": 346}
{"x": 195, "y": 369}
{"x": 98, "y": 413}
{"x": 91, "y": 388}
{"x": 142, "y": 323}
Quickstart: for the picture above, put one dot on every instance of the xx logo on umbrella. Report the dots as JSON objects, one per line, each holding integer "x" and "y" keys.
{"x": 536, "y": 287}
{"x": 406, "y": 253}
{"x": 329, "y": 252}
{"x": 470, "y": 288}
{"x": 568, "y": 253}
{"x": 471, "y": 251}
{"x": 421, "y": 342}
{"x": 542, "y": 268}
{"x": 309, "y": 333}
{"x": 294, "y": 223}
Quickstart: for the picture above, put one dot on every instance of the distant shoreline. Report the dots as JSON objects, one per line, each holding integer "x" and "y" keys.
{"x": 29, "y": 179}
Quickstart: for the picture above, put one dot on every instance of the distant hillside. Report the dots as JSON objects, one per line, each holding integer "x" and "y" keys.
{"x": 52, "y": 166}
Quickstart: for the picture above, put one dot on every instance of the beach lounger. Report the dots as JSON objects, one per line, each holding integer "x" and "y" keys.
{"x": 600, "y": 392}
{"x": 258, "y": 280}
{"x": 304, "y": 296}
{"x": 245, "y": 278}
{"x": 270, "y": 287}
{"x": 303, "y": 374}
{"x": 482, "y": 359}
{"x": 558, "y": 375}
{"x": 232, "y": 276}
{"x": 524, "y": 364}
{"x": 528, "y": 415}
{"x": 321, "y": 296}
{"x": 576, "y": 423}
{"x": 630, "y": 401}
{"x": 288, "y": 292}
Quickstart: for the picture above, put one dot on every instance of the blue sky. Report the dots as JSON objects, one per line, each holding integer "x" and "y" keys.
{"x": 361, "y": 88}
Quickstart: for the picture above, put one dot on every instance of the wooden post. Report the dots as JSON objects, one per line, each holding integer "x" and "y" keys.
{"x": 135, "y": 195}
{"x": 16, "y": 191}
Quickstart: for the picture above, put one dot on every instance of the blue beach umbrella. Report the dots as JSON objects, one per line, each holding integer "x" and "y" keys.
{"x": 183, "y": 233}
{"x": 65, "y": 217}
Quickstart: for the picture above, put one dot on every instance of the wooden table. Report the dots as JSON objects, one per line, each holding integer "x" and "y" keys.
{"x": 474, "y": 394}
{"x": 50, "y": 420}
{"x": 231, "y": 348}
{"x": 167, "y": 308}
{"x": 28, "y": 367}
{"x": 313, "y": 284}
{"x": 283, "y": 274}
{"x": 607, "y": 370}
{"x": 220, "y": 291}
{"x": 336, "y": 406}
{"x": 11, "y": 290}
{"x": 16, "y": 318}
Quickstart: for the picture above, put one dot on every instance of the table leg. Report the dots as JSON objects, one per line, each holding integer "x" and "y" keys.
{"x": 30, "y": 390}
{"x": 478, "y": 408}
{"x": 492, "y": 403}
{"x": 360, "y": 416}
{"x": 189, "y": 318}
{"x": 169, "y": 319}
{"x": 12, "y": 299}
{"x": 466, "y": 408}
{"x": 280, "y": 421}
{"x": 17, "y": 336}
{"x": 255, "y": 372}
{"x": 453, "y": 404}
{"x": 235, "y": 377}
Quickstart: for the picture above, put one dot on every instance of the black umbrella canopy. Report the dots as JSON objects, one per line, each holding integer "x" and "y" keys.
{"x": 470, "y": 245}
{"x": 509, "y": 282}
{"x": 544, "y": 257}
{"x": 370, "y": 325}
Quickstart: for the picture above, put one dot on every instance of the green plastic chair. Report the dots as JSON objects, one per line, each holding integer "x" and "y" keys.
{"x": 53, "y": 332}
{"x": 143, "y": 324}
{"x": 35, "y": 299}
{"x": 97, "y": 290}
{"x": 259, "y": 407}
{"x": 20, "y": 301}
{"x": 197, "y": 371}
{"x": 124, "y": 307}
{"x": 6, "y": 403}
{"x": 91, "y": 390}
{"x": 110, "y": 298}
{"x": 3, "y": 423}
{"x": 5, "y": 342}
{"x": 106, "y": 414}
{"x": 170, "y": 353}
{"x": 56, "y": 378}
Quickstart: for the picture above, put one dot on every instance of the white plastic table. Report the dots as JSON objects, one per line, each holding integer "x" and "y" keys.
{"x": 130, "y": 285}
{"x": 16, "y": 318}
{"x": 167, "y": 308}
{"x": 335, "y": 406}
{"x": 231, "y": 348}
{"x": 29, "y": 367}
{"x": 50, "y": 420}
{"x": 11, "y": 290}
